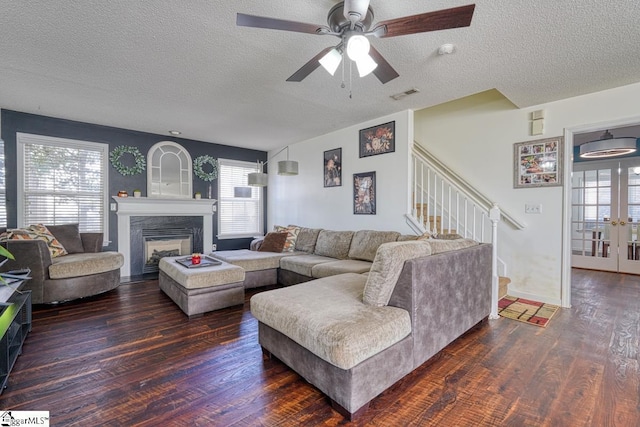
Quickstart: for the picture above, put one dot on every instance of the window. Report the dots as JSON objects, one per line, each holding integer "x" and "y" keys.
{"x": 239, "y": 206}
{"x": 62, "y": 181}
{"x": 3, "y": 188}
{"x": 168, "y": 171}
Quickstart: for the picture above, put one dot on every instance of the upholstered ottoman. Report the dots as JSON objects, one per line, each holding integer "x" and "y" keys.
{"x": 202, "y": 289}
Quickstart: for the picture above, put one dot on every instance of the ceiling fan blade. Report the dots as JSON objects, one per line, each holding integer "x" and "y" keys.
{"x": 431, "y": 21}
{"x": 384, "y": 71}
{"x": 309, "y": 67}
{"x": 245, "y": 20}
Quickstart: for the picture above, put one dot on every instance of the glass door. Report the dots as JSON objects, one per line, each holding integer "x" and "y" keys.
{"x": 605, "y": 216}
{"x": 629, "y": 250}
{"x": 593, "y": 204}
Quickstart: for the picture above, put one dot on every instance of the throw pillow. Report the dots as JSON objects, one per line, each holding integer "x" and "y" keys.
{"x": 292, "y": 236}
{"x": 425, "y": 236}
{"x": 69, "y": 236}
{"x": 273, "y": 242}
{"x": 386, "y": 269}
{"x": 36, "y": 232}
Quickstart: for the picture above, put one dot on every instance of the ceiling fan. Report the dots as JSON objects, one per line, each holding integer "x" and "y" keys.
{"x": 350, "y": 21}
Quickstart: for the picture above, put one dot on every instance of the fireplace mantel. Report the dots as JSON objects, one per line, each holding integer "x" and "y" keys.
{"x": 150, "y": 206}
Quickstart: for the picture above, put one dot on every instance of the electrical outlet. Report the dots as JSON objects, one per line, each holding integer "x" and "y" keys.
{"x": 114, "y": 207}
{"x": 214, "y": 247}
{"x": 531, "y": 208}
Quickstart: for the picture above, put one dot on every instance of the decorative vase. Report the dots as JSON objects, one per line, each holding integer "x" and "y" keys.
{"x": 137, "y": 193}
{"x": 122, "y": 193}
{"x": 198, "y": 196}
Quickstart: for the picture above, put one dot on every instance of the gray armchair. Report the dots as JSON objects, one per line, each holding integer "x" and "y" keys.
{"x": 86, "y": 272}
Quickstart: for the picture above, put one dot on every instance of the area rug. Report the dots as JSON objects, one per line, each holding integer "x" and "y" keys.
{"x": 524, "y": 310}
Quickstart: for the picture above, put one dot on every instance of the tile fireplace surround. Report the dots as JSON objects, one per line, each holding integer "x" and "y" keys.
{"x": 149, "y": 206}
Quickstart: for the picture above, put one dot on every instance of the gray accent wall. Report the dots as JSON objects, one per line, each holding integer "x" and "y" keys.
{"x": 14, "y": 121}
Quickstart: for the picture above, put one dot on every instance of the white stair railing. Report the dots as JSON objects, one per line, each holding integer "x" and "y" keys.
{"x": 442, "y": 202}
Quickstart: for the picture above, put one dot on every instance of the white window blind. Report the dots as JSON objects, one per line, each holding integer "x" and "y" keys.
{"x": 238, "y": 216}
{"x": 3, "y": 188}
{"x": 62, "y": 181}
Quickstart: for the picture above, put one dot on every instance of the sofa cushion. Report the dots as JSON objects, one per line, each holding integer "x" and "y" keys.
{"x": 36, "y": 232}
{"x": 406, "y": 237}
{"x": 85, "y": 264}
{"x": 365, "y": 243}
{"x": 273, "y": 242}
{"x": 447, "y": 236}
{"x": 339, "y": 328}
{"x": 387, "y": 267}
{"x": 303, "y": 264}
{"x": 69, "y": 236}
{"x": 292, "y": 230}
{"x": 251, "y": 260}
{"x": 439, "y": 246}
{"x": 307, "y": 238}
{"x": 340, "y": 267}
{"x": 334, "y": 244}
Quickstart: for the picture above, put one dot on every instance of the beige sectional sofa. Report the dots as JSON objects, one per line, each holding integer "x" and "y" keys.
{"x": 316, "y": 253}
{"x": 354, "y": 335}
{"x": 368, "y": 307}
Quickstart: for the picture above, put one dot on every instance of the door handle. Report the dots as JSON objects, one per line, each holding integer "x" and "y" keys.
{"x": 614, "y": 223}
{"x": 623, "y": 223}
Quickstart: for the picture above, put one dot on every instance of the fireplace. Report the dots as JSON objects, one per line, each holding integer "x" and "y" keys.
{"x": 166, "y": 235}
{"x": 138, "y": 213}
{"x": 162, "y": 243}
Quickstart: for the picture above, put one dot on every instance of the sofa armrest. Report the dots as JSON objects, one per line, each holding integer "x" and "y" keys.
{"x": 92, "y": 242}
{"x": 35, "y": 255}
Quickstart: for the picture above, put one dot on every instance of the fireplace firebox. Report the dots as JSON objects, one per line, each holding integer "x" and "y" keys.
{"x": 162, "y": 243}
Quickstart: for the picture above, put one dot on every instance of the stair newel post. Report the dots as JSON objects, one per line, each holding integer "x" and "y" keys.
{"x": 494, "y": 216}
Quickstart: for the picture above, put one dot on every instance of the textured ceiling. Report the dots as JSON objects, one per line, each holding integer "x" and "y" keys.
{"x": 159, "y": 65}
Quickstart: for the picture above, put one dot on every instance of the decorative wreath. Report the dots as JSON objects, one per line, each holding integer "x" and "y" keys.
{"x": 117, "y": 152}
{"x": 198, "y": 169}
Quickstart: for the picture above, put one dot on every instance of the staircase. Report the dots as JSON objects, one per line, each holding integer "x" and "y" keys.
{"x": 444, "y": 203}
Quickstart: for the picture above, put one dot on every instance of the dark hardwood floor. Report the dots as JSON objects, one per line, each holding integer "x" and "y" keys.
{"x": 131, "y": 357}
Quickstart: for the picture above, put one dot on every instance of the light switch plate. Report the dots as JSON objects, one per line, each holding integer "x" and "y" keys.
{"x": 531, "y": 208}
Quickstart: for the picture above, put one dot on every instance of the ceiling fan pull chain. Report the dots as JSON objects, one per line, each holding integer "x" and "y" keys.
{"x": 350, "y": 78}
{"x": 343, "y": 61}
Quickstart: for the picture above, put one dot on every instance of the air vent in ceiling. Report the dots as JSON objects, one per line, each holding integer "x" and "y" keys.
{"x": 399, "y": 96}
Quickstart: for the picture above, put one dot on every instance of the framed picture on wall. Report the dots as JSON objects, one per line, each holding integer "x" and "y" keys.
{"x": 333, "y": 168}
{"x": 364, "y": 193}
{"x": 380, "y": 139}
{"x": 538, "y": 163}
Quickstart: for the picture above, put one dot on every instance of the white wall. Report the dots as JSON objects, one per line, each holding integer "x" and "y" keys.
{"x": 303, "y": 199}
{"x": 475, "y": 137}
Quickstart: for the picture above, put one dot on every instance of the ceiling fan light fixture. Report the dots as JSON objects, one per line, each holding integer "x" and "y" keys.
{"x": 357, "y": 47}
{"x": 366, "y": 65}
{"x": 607, "y": 146}
{"x": 331, "y": 61}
